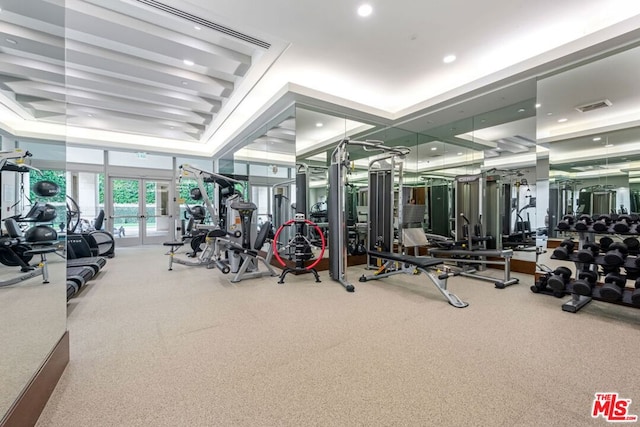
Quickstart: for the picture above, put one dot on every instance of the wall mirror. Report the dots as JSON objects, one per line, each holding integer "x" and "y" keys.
{"x": 497, "y": 145}
{"x": 588, "y": 122}
{"x": 33, "y": 313}
{"x": 268, "y": 160}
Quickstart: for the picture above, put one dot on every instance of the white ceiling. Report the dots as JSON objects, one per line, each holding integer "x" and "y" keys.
{"x": 122, "y": 61}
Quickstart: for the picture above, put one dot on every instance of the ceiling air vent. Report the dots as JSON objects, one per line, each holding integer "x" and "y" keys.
{"x": 594, "y": 106}
{"x": 205, "y": 23}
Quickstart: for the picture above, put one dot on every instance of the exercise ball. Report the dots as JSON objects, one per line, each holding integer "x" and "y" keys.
{"x": 40, "y": 234}
{"x": 46, "y": 188}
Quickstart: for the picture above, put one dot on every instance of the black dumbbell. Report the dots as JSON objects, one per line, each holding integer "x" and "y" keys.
{"x": 583, "y": 223}
{"x": 585, "y": 283}
{"x": 566, "y": 222}
{"x": 635, "y": 296}
{"x": 616, "y": 254}
{"x": 602, "y": 223}
{"x": 632, "y": 244}
{"x": 613, "y": 287}
{"x": 559, "y": 278}
{"x": 632, "y": 273}
{"x": 605, "y": 242}
{"x": 623, "y": 224}
{"x": 565, "y": 248}
{"x": 588, "y": 252}
{"x": 606, "y": 269}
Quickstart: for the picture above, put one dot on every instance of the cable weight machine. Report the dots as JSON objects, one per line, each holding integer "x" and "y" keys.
{"x": 379, "y": 231}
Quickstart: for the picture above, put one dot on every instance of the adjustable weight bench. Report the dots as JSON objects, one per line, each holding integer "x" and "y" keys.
{"x": 405, "y": 264}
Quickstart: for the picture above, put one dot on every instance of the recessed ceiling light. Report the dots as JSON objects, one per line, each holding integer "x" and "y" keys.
{"x": 562, "y": 120}
{"x": 90, "y": 115}
{"x": 319, "y": 124}
{"x": 449, "y": 59}
{"x": 197, "y": 28}
{"x": 608, "y": 145}
{"x": 549, "y": 113}
{"x": 597, "y": 138}
{"x": 188, "y": 62}
{"x": 498, "y": 148}
{"x": 459, "y": 154}
{"x": 365, "y": 10}
{"x": 521, "y": 110}
{"x": 12, "y": 41}
{"x": 434, "y": 148}
{"x": 538, "y": 105}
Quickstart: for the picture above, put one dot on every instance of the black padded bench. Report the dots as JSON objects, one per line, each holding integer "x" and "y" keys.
{"x": 411, "y": 264}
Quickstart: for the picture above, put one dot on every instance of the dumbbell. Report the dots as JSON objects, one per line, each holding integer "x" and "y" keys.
{"x": 613, "y": 287}
{"x": 565, "y": 248}
{"x": 585, "y": 283}
{"x": 605, "y": 242}
{"x": 566, "y": 222}
{"x": 632, "y": 244}
{"x": 616, "y": 254}
{"x": 623, "y": 224}
{"x": 588, "y": 252}
{"x": 606, "y": 269}
{"x": 583, "y": 223}
{"x": 602, "y": 223}
{"x": 635, "y": 296}
{"x": 632, "y": 273}
{"x": 559, "y": 278}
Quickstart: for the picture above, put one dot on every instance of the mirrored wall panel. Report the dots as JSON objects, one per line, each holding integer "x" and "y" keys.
{"x": 32, "y": 192}
{"x": 588, "y": 122}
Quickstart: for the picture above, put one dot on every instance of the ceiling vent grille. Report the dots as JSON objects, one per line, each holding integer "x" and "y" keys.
{"x": 594, "y": 106}
{"x": 205, "y": 23}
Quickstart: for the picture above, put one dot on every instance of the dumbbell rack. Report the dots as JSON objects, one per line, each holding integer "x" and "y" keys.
{"x": 578, "y": 301}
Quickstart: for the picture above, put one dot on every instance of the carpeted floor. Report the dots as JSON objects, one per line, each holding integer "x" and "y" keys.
{"x": 151, "y": 347}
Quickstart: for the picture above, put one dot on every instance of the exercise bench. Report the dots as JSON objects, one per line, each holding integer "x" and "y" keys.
{"x": 406, "y": 264}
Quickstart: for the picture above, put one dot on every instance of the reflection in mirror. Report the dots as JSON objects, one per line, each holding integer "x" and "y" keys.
{"x": 317, "y": 134}
{"x": 587, "y": 121}
{"x": 480, "y": 174}
{"x": 33, "y": 313}
{"x": 32, "y": 284}
{"x": 268, "y": 158}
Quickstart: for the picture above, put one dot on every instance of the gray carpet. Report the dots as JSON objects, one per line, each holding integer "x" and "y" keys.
{"x": 150, "y": 347}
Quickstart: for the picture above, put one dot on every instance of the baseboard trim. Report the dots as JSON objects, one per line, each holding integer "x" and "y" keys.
{"x": 29, "y": 405}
